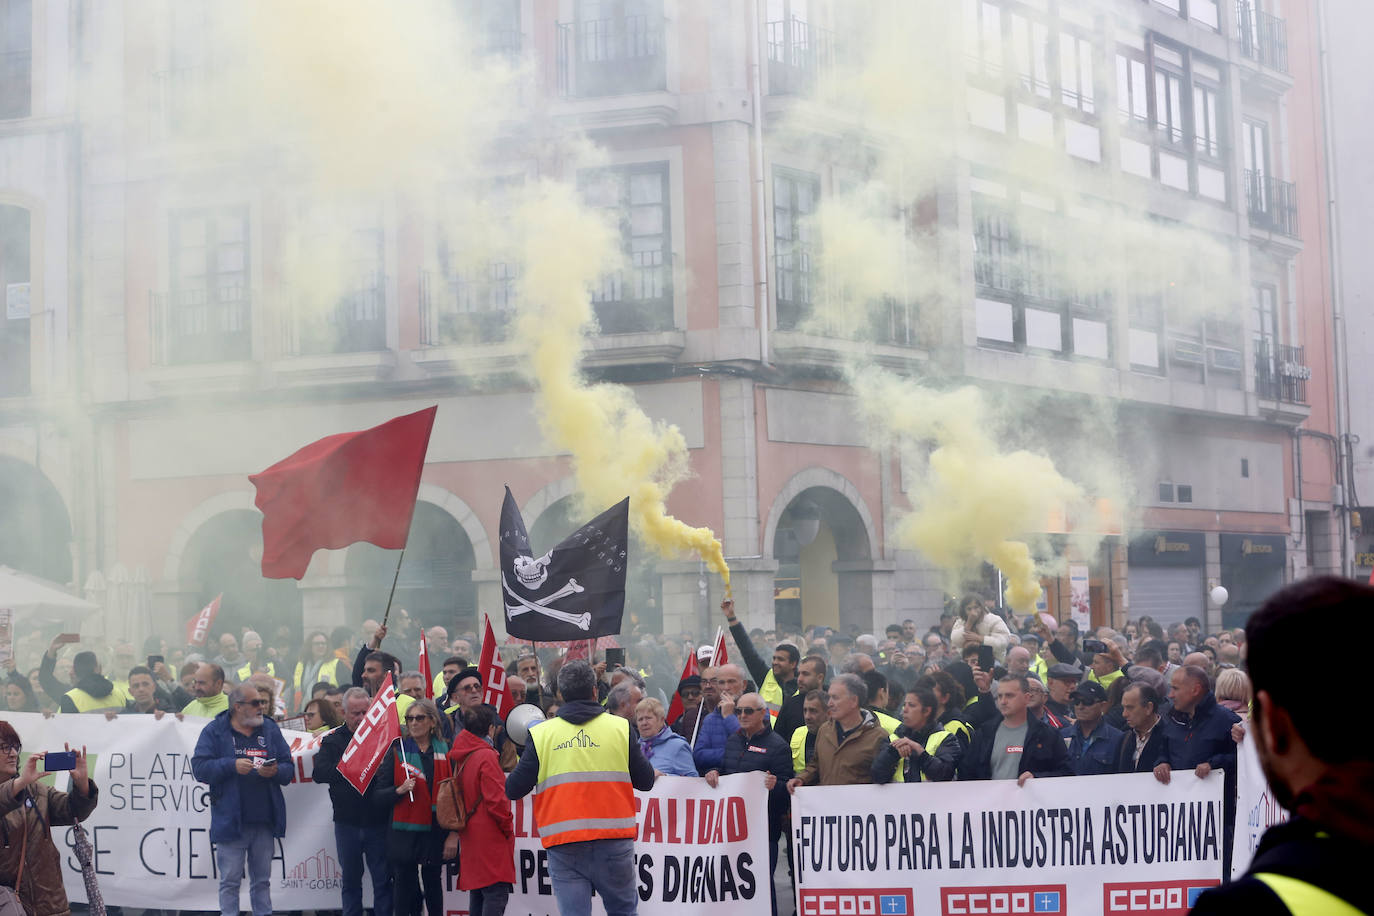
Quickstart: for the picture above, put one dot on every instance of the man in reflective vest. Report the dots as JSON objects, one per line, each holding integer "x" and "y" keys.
{"x": 584, "y": 766}
{"x": 1317, "y": 759}
{"x": 776, "y": 682}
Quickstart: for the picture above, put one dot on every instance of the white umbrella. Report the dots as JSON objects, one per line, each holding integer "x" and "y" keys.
{"x": 37, "y": 597}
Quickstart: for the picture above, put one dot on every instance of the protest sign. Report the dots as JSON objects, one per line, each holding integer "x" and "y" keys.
{"x": 1256, "y": 808}
{"x": 701, "y": 850}
{"x": 1088, "y": 844}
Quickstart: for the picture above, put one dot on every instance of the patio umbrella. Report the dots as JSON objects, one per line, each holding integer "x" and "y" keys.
{"x": 35, "y": 598}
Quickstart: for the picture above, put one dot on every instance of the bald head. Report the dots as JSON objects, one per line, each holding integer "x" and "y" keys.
{"x": 1197, "y": 660}
{"x": 1018, "y": 660}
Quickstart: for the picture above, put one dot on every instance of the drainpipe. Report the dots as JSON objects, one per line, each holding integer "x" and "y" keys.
{"x": 761, "y": 221}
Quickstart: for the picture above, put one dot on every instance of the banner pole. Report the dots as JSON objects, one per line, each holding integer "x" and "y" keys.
{"x": 394, "y": 579}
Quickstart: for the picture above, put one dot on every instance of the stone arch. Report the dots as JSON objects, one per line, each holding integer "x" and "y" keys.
{"x": 546, "y": 496}
{"x": 819, "y": 478}
{"x": 208, "y": 509}
{"x": 451, "y": 505}
{"x": 37, "y": 536}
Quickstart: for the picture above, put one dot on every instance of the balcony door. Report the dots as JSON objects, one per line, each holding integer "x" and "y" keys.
{"x": 619, "y": 47}
{"x": 206, "y": 316}
{"x": 1255, "y": 143}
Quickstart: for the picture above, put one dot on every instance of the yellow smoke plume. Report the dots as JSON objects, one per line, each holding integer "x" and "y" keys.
{"x": 974, "y": 501}
{"x": 615, "y": 446}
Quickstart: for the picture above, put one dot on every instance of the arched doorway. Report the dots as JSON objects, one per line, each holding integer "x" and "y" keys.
{"x": 643, "y": 587}
{"x": 818, "y": 533}
{"x": 435, "y": 586}
{"x": 224, "y": 556}
{"x": 36, "y": 535}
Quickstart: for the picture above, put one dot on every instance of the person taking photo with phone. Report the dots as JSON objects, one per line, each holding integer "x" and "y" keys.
{"x": 29, "y": 810}
{"x": 243, "y": 758}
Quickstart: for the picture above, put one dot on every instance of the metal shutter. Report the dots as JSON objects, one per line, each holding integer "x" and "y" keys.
{"x": 1169, "y": 594}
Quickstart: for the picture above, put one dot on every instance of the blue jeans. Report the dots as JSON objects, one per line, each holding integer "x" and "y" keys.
{"x": 255, "y": 843}
{"x": 608, "y": 866}
{"x": 355, "y": 844}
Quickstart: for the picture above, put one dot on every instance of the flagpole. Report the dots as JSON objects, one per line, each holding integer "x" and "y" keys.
{"x": 394, "y": 579}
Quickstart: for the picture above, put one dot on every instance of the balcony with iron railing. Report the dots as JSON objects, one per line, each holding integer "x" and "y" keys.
{"x": 1272, "y": 204}
{"x": 801, "y": 57}
{"x": 605, "y": 57}
{"x": 354, "y": 323}
{"x": 637, "y": 298}
{"x": 1262, "y": 38}
{"x": 200, "y": 325}
{"x": 891, "y": 320}
{"x": 1281, "y": 372}
{"x": 473, "y": 307}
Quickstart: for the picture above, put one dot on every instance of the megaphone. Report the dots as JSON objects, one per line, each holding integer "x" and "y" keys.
{"x": 521, "y": 719}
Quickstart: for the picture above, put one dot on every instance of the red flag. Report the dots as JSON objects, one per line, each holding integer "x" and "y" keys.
{"x": 494, "y": 692}
{"x": 424, "y": 665}
{"x": 719, "y": 656}
{"x": 379, "y": 728}
{"x": 342, "y": 489}
{"x": 688, "y": 670}
{"x": 199, "y": 626}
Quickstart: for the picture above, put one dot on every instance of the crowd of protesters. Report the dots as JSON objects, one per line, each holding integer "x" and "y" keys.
{"x": 983, "y": 694}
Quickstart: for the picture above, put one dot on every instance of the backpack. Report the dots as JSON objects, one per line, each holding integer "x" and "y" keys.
{"x": 448, "y": 802}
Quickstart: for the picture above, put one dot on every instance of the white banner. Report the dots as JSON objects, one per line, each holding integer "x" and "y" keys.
{"x": 701, "y": 850}
{"x": 1256, "y": 808}
{"x": 1087, "y": 844}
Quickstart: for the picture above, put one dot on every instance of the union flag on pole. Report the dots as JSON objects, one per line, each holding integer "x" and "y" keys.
{"x": 718, "y": 655}
{"x": 494, "y": 692}
{"x": 424, "y": 666}
{"x": 688, "y": 670}
{"x": 199, "y": 626}
{"x": 379, "y": 728}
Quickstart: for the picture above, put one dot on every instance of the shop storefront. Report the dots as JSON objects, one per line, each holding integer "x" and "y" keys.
{"x": 1165, "y": 575}
{"x": 1251, "y": 570}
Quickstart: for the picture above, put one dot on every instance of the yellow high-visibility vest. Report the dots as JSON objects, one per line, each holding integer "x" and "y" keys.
{"x": 583, "y": 791}
{"x": 1303, "y": 899}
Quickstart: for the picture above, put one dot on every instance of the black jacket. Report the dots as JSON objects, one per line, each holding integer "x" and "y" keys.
{"x": 1205, "y": 737}
{"x": 765, "y": 752}
{"x": 937, "y": 767}
{"x": 1156, "y": 751}
{"x": 790, "y": 718}
{"x": 350, "y": 808}
{"x": 1043, "y": 753}
{"x": 520, "y": 781}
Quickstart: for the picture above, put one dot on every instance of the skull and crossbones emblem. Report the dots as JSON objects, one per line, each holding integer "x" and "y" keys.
{"x": 531, "y": 573}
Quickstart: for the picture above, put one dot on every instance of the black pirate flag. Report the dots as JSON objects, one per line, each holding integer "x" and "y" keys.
{"x": 577, "y": 589}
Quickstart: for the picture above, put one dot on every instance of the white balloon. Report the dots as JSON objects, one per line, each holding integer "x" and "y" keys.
{"x": 1219, "y": 595}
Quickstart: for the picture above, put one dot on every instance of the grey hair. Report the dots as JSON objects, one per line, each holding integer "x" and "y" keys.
{"x": 868, "y": 642}
{"x": 854, "y": 684}
{"x": 631, "y": 674}
{"x": 411, "y": 674}
{"x": 620, "y": 694}
{"x": 245, "y": 691}
{"x": 577, "y": 681}
{"x": 352, "y": 692}
{"x": 851, "y": 664}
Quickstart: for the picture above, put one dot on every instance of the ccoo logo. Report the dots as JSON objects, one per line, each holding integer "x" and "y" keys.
{"x": 1014, "y": 900}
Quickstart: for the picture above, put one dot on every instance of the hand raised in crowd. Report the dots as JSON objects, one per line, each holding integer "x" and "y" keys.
{"x": 161, "y": 673}
{"x": 906, "y": 747}
{"x": 243, "y": 766}
{"x": 600, "y": 669}
{"x": 728, "y": 608}
{"x": 29, "y": 775}
{"x": 378, "y": 636}
{"x": 983, "y": 679}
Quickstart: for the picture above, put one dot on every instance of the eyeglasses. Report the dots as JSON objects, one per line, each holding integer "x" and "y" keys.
{"x": 747, "y": 710}
{"x": 418, "y": 718}
{"x": 10, "y": 748}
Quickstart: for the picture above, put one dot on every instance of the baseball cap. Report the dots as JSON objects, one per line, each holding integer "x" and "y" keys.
{"x": 1062, "y": 670}
{"x": 1090, "y": 691}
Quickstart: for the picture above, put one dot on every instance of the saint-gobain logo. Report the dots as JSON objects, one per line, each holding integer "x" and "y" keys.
{"x": 1158, "y": 898}
{"x": 879, "y": 901}
{"x": 578, "y": 740}
{"x": 320, "y": 865}
{"x": 1010, "y": 899}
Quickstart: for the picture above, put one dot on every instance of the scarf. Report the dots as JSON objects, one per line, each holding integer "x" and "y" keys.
{"x": 417, "y": 814}
{"x": 647, "y": 744}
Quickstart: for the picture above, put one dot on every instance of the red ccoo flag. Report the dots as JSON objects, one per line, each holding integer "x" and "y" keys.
{"x": 342, "y": 489}
{"x": 198, "y": 626}
{"x": 494, "y": 692}
{"x": 424, "y": 666}
{"x": 719, "y": 656}
{"x": 379, "y": 728}
{"x": 688, "y": 670}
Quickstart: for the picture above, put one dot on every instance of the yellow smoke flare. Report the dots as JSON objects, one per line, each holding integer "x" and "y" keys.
{"x": 615, "y": 446}
{"x": 975, "y": 502}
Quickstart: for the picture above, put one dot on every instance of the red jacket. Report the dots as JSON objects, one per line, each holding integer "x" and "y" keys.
{"x": 486, "y": 850}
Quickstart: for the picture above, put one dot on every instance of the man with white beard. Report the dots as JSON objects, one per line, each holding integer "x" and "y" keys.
{"x": 243, "y": 758}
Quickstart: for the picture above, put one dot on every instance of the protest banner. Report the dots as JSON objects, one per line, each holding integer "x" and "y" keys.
{"x": 701, "y": 850}
{"x": 1087, "y": 844}
{"x": 1256, "y": 807}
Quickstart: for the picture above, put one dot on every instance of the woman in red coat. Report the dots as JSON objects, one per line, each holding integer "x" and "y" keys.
{"x": 486, "y": 848}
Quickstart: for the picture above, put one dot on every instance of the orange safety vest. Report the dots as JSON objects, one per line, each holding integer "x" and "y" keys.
{"x": 583, "y": 790}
